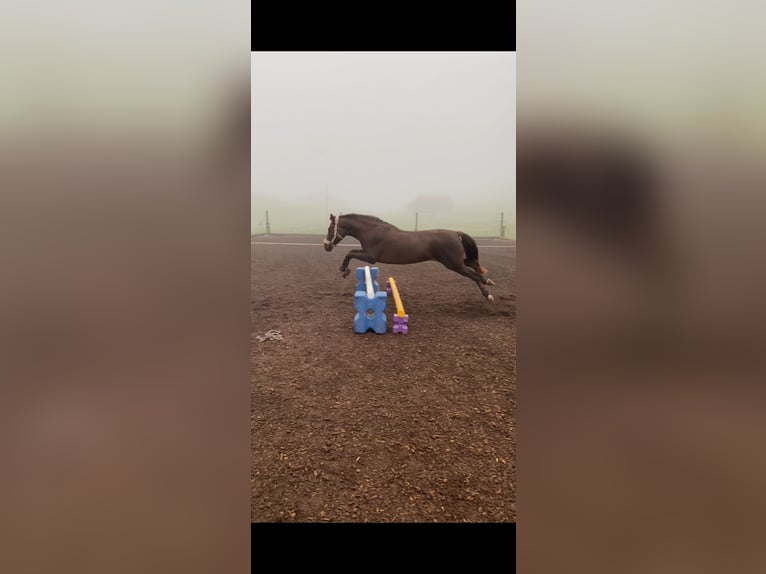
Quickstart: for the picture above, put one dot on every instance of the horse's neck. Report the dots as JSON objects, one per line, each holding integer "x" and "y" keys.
{"x": 360, "y": 230}
{"x": 356, "y": 233}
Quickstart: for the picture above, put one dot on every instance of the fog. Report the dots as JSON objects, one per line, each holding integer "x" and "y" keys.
{"x": 387, "y": 134}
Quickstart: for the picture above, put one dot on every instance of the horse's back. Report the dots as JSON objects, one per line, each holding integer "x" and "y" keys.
{"x": 436, "y": 237}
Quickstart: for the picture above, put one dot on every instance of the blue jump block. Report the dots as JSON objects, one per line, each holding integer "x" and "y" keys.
{"x": 371, "y": 312}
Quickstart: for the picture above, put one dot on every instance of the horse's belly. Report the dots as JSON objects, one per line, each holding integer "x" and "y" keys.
{"x": 404, "y": 258}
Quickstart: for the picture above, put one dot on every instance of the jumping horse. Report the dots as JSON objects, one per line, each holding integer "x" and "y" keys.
{"x": 385, "y": 243}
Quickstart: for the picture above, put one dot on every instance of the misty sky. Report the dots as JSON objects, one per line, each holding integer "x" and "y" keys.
{"x": 388, "y": 133}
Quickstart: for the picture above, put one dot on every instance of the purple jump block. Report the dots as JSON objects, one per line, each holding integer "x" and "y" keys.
{"x": 401, "y": 324}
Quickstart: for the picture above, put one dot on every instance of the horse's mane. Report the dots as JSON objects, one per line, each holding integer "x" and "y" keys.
{"x": 368, "y": 217}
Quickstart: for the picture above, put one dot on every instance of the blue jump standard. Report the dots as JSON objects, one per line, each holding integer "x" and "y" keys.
{"x": 371, "y": 313}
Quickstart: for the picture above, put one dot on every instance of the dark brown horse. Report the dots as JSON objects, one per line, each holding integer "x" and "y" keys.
{"x": 385, "y": 243}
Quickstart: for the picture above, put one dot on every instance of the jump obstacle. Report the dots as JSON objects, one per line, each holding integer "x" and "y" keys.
{"x": 401, "y": 320}
{"x": 370, "y": 303}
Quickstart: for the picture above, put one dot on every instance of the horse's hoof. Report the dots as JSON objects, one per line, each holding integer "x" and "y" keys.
{"x": 490, "y": 298}
{"x": 490, "y": 282}
{"x": 346, "y": 272}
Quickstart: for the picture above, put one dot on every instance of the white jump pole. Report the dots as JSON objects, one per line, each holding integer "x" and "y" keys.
{"x": 368, "y": 282}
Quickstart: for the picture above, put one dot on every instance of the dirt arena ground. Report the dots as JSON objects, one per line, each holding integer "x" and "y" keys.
{"x": 381, "y": 428}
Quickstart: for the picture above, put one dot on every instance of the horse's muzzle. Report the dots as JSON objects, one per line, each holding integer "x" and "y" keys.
{"x": 328, "y": 246}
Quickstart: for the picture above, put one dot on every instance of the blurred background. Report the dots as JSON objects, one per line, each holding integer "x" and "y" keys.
{"x": 640, "y": 177}
{"x": 124, "y": 331}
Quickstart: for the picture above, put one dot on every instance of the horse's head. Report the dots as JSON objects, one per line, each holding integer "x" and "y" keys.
{"x": 334, "y": 235}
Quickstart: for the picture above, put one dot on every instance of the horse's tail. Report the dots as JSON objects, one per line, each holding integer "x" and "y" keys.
{"x": 472, "y": 253}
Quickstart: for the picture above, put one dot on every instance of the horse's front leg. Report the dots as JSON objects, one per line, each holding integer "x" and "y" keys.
{"x": 355, "y": 254}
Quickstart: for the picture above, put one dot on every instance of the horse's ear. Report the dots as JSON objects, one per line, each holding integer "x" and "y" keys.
{"x": 332, "y": 217}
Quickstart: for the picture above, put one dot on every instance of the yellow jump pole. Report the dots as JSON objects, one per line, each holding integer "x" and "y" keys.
{"x": 401, "y": 320}
{"x": 397, "y": 299}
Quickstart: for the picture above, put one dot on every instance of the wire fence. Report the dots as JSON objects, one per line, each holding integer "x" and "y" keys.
{"x": 500, "y": 225}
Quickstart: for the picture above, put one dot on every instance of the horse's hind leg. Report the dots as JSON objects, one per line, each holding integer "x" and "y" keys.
{"x": 471, "y": 273}
{"x": 480, "y": 270}
{"x": 484, "y": 279}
